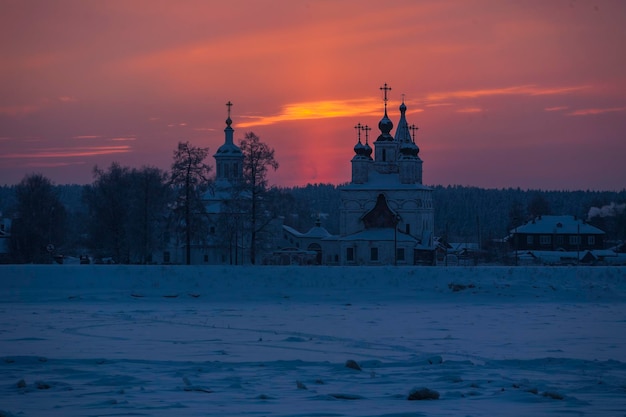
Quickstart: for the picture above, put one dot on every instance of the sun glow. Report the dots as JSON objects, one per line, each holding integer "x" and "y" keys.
{"x": 323, "y": 109}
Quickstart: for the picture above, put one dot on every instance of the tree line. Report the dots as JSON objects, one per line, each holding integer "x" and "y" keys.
{"x": 127, "y": 213}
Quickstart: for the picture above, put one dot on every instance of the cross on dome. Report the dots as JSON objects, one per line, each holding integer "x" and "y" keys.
{"x": 228, "y": 120}
{"x": 385, "y": 88}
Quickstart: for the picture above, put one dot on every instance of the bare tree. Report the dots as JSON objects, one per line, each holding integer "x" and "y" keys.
{"x": 150, "y": 198}
{"x": 108, "y": 201}
{"x": 190, "y": 179}
{"x": 258, "y": 158}
{"x": 39, "y": 225}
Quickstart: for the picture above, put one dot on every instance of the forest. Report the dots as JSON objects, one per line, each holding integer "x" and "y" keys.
{"x": 462, "y": 213}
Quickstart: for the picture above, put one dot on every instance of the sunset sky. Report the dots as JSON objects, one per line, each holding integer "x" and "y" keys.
{"x": 528, "y": 94}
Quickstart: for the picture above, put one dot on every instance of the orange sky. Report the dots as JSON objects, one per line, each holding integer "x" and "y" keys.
{"x": 527, "y": 94}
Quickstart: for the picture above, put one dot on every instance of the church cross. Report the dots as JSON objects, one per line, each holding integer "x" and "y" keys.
{"x": 229, "y": 105}
{"x": 358, "y": 129}
{"x": 413, "y": 129}
{"x": 367, "y": 131}
{"x": 385, "y": 88}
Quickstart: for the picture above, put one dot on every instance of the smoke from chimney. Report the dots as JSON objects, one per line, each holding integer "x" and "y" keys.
{"x": 610, "y": 210}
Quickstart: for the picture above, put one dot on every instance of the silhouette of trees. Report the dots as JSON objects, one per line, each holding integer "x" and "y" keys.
{"x": 148, "y": 212}
{"x": 258, "y": 158}
{"x": 127, "y": 212}
{"x": 108, "y": 202}
{"x": 38, "y": 228}
{"x": 190, "y": 180}
{"x": 538, "y": 206}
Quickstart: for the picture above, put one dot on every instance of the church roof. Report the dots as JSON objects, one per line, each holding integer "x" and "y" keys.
{"x": 380, "y": 234}
{"x": 567, "y": 225}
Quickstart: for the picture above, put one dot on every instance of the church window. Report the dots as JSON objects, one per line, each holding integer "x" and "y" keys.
{"x": 350, "y": 254}
{"x": 166, "y": 257}
{"x": 206, "y": 258}
{"x": 235, "y": 170}
{"x": 408, "y": 229}
{"x": 530, "y": 239}
{"x": 374, "y": 254}
{"x": 400, "y": 254}
{"x": 591, "y": 240}
{"x": 384, "y": 155}
{"x": 545, "y": 239}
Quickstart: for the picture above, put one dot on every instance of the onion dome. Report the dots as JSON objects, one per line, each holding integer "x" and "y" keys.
{"x": 359, "y": 149}
{"x": 385, "y": 125}
{"x": 368, "y": 150}
{"x": 409, "y": 149}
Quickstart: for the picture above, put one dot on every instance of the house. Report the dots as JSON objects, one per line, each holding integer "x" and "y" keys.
{"x": 556, "y": 233}
{"x": 5, "y": 236}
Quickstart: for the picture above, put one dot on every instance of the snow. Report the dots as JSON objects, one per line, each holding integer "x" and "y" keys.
{"x": 93, "y": 340}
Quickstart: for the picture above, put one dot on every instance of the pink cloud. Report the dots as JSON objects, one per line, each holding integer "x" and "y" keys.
{"x": 588, "y": 112}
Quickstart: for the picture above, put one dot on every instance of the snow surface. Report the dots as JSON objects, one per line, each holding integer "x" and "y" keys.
{"x": 106, "y": 340}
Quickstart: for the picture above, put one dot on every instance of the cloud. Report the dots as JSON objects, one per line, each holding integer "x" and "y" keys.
{"x": 524, "y": 90}
{"x": 123, "y": 139}
{"x": 68, "y": 99}
{"x": 322, "y": 109}
{"x": 53, "y": 164}
{"x": 556, "y": 108}
{"x": 470, "y": 110}
{"x": 86, "y": 137}
{"x": 588, "y": 112}
{"x": 69, "y": 153}
{"x": 15, "y": 111}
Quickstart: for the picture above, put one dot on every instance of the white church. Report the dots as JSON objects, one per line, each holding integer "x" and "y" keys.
{"x": 386, "y": 213}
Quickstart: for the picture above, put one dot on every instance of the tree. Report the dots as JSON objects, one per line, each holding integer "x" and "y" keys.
{"x": 538, "y": 206}
{"x": 147, "y": 211}
{"x": 258, "y": 158}
{"x": 39, "y": 226}
{"x": 127, "y": 211}
{"x": 190, "y": 179}
{"x": 108, "y": 200}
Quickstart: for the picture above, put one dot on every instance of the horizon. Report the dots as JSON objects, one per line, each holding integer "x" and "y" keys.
{"x": 529, "y": 96}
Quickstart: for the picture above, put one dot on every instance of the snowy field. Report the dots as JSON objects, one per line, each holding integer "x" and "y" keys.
{"x": 98, "y": 340}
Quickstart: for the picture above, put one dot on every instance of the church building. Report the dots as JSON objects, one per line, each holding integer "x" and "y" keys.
{"x": 386, "y": 213}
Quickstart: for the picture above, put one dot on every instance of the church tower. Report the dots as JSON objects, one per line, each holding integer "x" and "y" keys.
{"x": 228, "y": 158}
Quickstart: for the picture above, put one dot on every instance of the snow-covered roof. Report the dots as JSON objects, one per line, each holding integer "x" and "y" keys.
{"x": 380, "y": 234}
{"x": 317, "y": 232}
{"x": 292, "y": 231}
{"x": 568, "y": 225}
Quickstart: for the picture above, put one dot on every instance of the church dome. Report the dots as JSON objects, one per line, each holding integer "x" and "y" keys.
{"x": 359, "y": 149}
{"x": 385, "y": 125}
{"x": 368, "y": 150}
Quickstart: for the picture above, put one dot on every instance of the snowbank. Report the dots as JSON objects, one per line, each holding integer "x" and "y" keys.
{"x": 23, "y": 283}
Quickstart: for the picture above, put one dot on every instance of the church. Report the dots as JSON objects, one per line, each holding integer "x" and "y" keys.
{"x": 386, "y": 213}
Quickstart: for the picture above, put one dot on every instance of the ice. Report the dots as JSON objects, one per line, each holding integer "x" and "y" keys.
{"x": 77, "y": 340}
